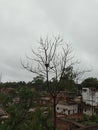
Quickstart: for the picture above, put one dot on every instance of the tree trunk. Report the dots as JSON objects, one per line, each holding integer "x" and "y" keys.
{"x": 54, "y": 113}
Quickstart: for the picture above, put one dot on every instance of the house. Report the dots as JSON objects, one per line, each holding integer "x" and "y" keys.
{"x": 69, "y": 104}
{"x": 89, "y": 110}
{"x": 89, "y": 97}
{"x": 67, "y": 109}
{"x": 90, "y": 100}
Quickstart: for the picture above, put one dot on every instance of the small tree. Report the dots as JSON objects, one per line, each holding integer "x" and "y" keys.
{"x": 53, "y": 60}
{"x": 38, "y": 83}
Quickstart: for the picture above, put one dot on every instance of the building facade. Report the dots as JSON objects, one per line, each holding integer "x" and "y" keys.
{"x": 66, "y": 109}
{"x": 89, "y": 97}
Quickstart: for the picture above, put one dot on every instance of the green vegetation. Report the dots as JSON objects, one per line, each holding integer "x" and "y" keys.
{"x": 89, "y": 120}
{"x": 23, "y": 112}
{"x": 90, "y": 83}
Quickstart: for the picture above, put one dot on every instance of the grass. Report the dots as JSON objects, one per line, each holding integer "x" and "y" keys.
{"x": 89, "y": 120}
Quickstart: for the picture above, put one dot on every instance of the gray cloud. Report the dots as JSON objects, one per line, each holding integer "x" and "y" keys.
{"x": 23, "y": 22}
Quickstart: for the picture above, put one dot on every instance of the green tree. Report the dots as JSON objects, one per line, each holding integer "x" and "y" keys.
{"x": 24, "y": 114}
{"x": 18, "y": 111}
{"x": 38, "y": 82}
{"x": 90, "y": 83}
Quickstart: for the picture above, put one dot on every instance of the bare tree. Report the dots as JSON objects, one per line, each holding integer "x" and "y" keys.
{"x": 53, "y": 59}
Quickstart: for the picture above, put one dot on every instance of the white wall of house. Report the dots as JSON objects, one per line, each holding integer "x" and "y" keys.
{"x": 90, "y": 97}
{"x": 88, "y": 111}
{"x": 66, "y": 109}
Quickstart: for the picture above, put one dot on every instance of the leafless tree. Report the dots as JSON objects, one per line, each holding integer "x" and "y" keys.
{"x": 53, "y": 59}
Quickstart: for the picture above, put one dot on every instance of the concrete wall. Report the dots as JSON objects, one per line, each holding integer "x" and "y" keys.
{"x": 66, "y": 109}
{"x": 90, "y": 97}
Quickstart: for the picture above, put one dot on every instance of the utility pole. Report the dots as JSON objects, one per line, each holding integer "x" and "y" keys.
{"x": 92, "y": 92}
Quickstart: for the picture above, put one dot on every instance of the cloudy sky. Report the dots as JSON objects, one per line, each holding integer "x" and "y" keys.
{"x": 23, "y": 22}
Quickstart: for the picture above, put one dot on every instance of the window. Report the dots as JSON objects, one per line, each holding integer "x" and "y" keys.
{"x": 84, "y": 90}
{"x": 68, "y": 112}
{"x": 73, "y": 111}
{"x": 63, "y": 110}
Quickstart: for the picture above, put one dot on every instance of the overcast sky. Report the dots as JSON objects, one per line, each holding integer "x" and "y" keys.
{"x": 22, "y": 22}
